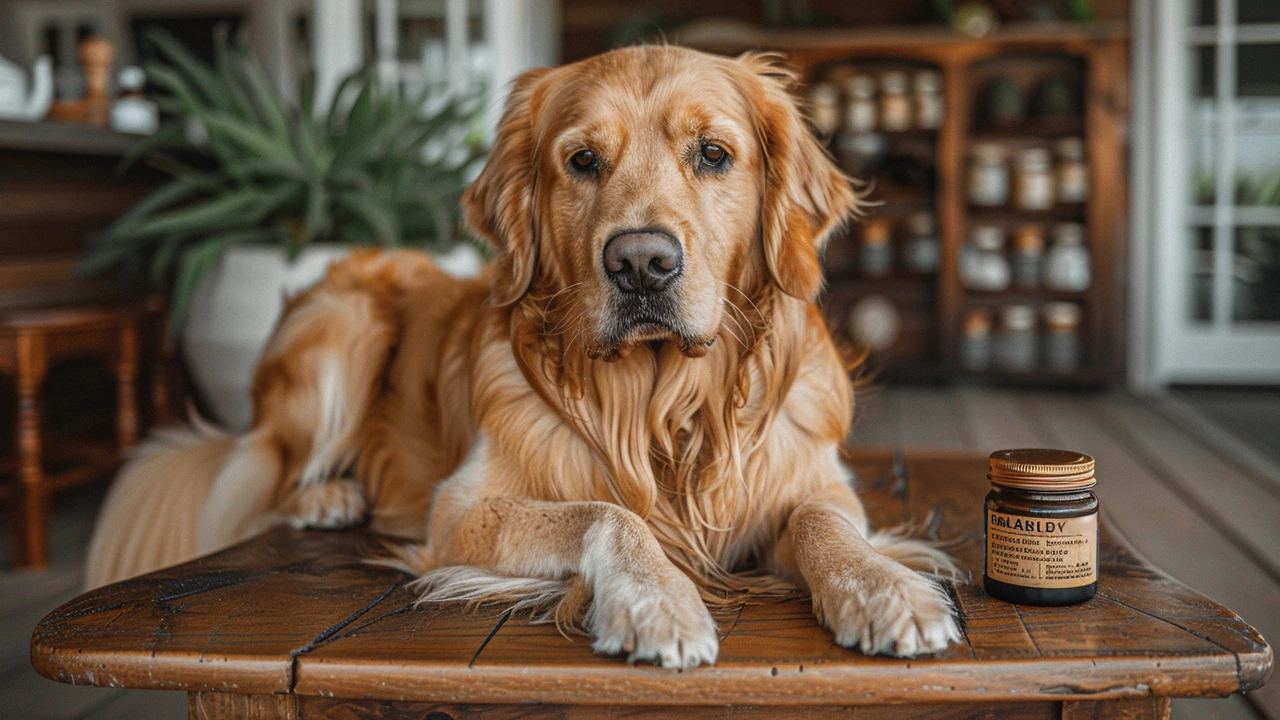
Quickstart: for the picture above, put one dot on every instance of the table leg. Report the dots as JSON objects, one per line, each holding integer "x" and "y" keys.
{"x": 228, "y": 706}
{"x": 32, "y": 515}
{"x": 1144, "y": 708}
{"x": 126, "y": 386}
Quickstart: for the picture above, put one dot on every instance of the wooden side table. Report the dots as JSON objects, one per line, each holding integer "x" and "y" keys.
{"x": 293, "y": 624}
{"x": 31, "y": 341}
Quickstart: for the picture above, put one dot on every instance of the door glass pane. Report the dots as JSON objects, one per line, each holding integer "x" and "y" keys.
{"x": 1203, "y": 12}
{"x": 1256, "y": 11}
{"x": 1201, "y": 271}
{"x": 1258, "y": 70}
{"x": 1256, "y": 283}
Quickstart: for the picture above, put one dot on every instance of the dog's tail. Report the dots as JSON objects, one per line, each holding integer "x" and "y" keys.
{"x": 184, "y": 492}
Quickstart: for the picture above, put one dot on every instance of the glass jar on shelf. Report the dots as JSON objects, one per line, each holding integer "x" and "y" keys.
{"x": 1072, "y": 174}
{"x": 824, "y": 108}
{"x": 921, "y": 253}
{"x": 983, "y": 265}
{"x": 1016, "y": 344}
{"x": 975, "y": 340}
{"x": 860, "y": 104}
{"x": 1035, "y": 180}
{"x": 877, "y": 248}
{"x": 895, "y": 106}
{"x": 875, "y": 323}
{"x": 1067, "y": 265}
{"x": 1061, "y": 336}
{"x": 1028, "y": 256}
{"x": 927, "y": 85}
{"x": 988, "y": 176}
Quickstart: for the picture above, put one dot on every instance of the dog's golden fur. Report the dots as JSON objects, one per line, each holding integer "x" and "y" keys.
{"x": 543, "y": 450}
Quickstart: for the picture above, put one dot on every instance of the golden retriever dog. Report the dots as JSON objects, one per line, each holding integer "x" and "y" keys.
{"x": 635, "y": 412}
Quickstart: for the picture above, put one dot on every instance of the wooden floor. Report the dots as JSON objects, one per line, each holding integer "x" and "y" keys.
{"x": 1192, "y": 480}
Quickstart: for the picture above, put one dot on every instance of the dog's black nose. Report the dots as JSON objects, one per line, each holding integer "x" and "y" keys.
{"x": 642, "y": 261}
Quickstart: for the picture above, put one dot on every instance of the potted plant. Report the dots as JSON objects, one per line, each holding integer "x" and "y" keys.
{"x": 264, "y": 194}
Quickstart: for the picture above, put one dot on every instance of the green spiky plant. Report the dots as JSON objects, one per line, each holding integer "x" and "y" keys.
{"x": 260, "y": 170}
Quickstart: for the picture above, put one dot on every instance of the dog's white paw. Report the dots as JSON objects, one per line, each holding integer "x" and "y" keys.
{"x": 666, "y": 624}
{"x": 330, "y": 505}
{"x": 888, "y": 610}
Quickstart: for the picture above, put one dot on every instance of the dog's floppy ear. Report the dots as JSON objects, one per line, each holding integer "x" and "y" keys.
{"x": 806, "y": 197}
{"x": 499, "y": 203}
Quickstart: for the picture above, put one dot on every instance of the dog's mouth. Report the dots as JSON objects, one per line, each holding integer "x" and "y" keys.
{"x": 646, "y": 320}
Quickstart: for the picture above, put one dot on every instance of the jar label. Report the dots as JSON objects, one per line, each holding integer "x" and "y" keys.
{"x": 1042, "y": 552}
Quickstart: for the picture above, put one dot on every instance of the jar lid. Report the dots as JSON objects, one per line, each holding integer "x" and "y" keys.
{"x": 1071, "y": 148}
{"x": 988, "y": 153}
{"x": 1017, "y": 318}
{"x": 1068, "y": 234}
{"x": 989, "y": 238}
{"x": 893, "y": 82}
{"x": 823, "y": 94}
{"x": 1042, "y": 469}
{"x": 1034, "y": 158}
{"x": 920, "y": 223}
{"x": 927, "y": 81}
{"x": 1029, "y": 238}
{"x": 1061, "y": 314}
{"x": 862, "y": 87}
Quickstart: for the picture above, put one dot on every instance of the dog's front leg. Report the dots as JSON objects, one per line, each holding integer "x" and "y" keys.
{"x": 867, "y": 599}
{"x": 643, "y": 605}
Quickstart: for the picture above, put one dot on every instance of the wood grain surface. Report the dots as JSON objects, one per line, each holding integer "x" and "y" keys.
{"x": 300, "y": 612}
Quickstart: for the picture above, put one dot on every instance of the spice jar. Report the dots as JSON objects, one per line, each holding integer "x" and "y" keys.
{"x": 895, "y": 106}
{"x": 1016, "y": 345}
{"x": 1041, "y": 527}
{"x": 875, "y": 323}
{"x": 988, "y": 176}
{"x": 877, "y": 252}
{"x": 824, "y": 108}
{"x": 983, "y": 265}
{"x": 1028, "y": 256}
{"x": 920, "y": 254}
{"x": 927, "y": 85}
{"x": 1061, "y": 336}
{"x": 1035, "y": 180}
{"x": 1071, "y": 174}
{"x": 860, "y": 107}
{"x": 1067, "y": 264}
{"x": 975, "y": 341}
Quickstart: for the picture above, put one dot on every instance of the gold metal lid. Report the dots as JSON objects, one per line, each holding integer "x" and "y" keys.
{"x": 1042, "y": 469}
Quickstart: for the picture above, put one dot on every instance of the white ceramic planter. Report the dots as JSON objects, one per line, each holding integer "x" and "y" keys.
{"x": 236, "y": 306}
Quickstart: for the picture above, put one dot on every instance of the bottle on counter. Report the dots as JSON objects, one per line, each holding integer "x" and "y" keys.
{"x": 927, "y": 85}
{"x": 1016, "y": 345}
{"x": 983, "y": 265}
{"x": 860, "y": 109}
{"x": 895, "y": 106}
{"x": 1067, "y": 263}
{"x": 1062, "y": 347}
{"x": 1035, "y": 180}
{"x": 975, "y": 340}
{"x": 877, "y": 247}
{"x": 1071, "y": 172}
{"x": 988, "y": 176}
{"x": 1028, "y": 256}
{"x": 921, "y": 252}
{"x": 824, "y": 108}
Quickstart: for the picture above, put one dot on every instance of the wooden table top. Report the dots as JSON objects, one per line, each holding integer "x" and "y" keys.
{"x": 299, "y": 612}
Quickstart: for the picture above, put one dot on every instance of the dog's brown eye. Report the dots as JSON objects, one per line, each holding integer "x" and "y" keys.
{"x": 714, "y": 156}
{"x": 584, "y": 161}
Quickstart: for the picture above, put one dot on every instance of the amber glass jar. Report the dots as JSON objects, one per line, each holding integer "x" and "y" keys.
{"x": 1041, "y": 527}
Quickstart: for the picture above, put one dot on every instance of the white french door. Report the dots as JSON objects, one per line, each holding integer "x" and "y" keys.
{"x": 1213, "y": 158}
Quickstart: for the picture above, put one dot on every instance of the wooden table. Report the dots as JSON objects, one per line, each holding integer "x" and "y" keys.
{"x": 293, "y": 625}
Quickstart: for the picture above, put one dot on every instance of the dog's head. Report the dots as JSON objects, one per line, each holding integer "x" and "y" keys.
{"x": 645, "y": 187}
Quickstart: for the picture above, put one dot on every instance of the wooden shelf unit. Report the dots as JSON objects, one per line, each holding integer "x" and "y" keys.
{"x": 1101, "y": 53}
